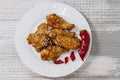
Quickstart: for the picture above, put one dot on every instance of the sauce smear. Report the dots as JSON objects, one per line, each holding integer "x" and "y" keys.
{"x": 66, "y": 60}
{"x": 58, "y": 62}
{"x": 72, "y": 56}
{"x": 84, "y": 44}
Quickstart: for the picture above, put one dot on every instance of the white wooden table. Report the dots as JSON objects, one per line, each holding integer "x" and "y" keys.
{"x": 104, "y": 60}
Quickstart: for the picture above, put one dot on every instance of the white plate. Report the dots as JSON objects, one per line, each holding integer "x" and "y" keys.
{"x": 30, "y": 22}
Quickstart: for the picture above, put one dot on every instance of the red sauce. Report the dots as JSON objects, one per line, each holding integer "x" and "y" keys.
{"x": 59, "y": 62}
{"x": 72, "y": 56}
{"x": 84, "y": 44}
{"x": 66, "y": 60}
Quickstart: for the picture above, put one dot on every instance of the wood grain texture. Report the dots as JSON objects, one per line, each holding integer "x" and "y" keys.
{"x": 104, "y": 60}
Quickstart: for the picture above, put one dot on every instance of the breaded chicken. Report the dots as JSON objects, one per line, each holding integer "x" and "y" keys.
{"x": 42, "y": 29}
{"x": 55, "y": 21}
{"x": 38, "y": 41}
{"x": 67, "y": 42}
{"x": 55, "y": 32}
{"x": 52, "y": 42}
{"x": 52, "y": 53}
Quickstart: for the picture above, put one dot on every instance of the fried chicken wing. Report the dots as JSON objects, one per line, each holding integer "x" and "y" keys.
{"x": 38, "y": 39}
{"x": 52, "y": 53}
{"x": 52, "y": 42}
{"x": 55, "y": 32}
{"x": 42, "y": 29}
{"x": 67, "y": 42}
{"x": 55, "y": 21}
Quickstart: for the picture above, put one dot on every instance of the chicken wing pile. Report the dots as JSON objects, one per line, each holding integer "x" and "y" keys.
{"x": 53, "y": 38}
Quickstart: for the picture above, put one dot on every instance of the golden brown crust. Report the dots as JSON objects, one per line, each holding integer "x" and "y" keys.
{"x": 52, "y": 53}
{"x": 55, "y": 32}
{"x": 42, "y": 29}
{"x": 67, "y": 42}
{"x": 55, "y": 21}
{"x": 56, "y": 41}
{"x": 38, "y": 41}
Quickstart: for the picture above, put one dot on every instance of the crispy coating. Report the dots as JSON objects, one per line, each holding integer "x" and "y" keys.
{"x": 67, "y": 42}
{"x": 55, "y": 21}
{"x": 55, "y": 32}
{"x": 38, "y": 39}
{"x": 52, "y": 53}
{"x": 42, "y": 29}
{"x": 53, "y": 42}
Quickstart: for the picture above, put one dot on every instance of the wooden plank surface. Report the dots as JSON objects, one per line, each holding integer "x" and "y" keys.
{"x": 104, "y": 60}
